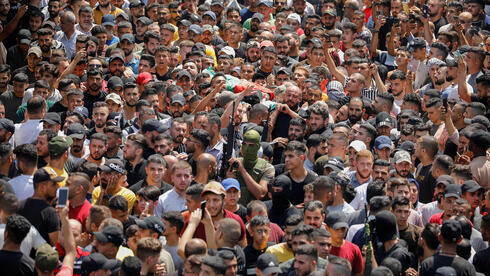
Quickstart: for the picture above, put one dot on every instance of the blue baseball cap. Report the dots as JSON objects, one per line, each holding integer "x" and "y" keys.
{"x": 382, "y": 142}
{"x": 230, "y": 183}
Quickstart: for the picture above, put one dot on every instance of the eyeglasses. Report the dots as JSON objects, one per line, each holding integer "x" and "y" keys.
{"x": 95, "y": 66}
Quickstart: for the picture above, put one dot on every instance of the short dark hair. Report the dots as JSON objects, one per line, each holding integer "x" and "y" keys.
{"x": 375, "y": 188}
{"x": 17, "y": 227}
{"x": 202, "y": 136}
{"x": 400, "y": 201}
{"x": 175, "y": 219}
{"x": 430, "y": 235}
{"x": 27, "y": 153}
{"x": 297, "y": 147}
{"x": 303, "y": 229}
{"x": 308, "y": 250}
{"x": 444, "y": 162}
{"x": 195, "y": 191}
{"x": 118, "y": 203}
{"x": 216, "y": 263}
{"x": 259, "y": 220}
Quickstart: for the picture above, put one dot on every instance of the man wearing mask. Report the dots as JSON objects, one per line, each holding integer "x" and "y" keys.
{"x": 252, "y": 172}
{"x": 279, "y": 209}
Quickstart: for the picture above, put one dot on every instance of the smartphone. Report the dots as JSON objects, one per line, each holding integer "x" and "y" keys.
{"x": 425, "y": 10}
{"x": 458, "y": 54}
{"x": 444, "y": 103}
{"x": 62, "y": 195}
{"x": 203, "y": 206}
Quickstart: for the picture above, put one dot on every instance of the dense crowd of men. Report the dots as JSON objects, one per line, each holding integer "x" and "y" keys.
{"x": 245, "y": 137}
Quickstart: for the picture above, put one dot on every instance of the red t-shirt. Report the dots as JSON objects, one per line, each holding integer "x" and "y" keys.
{"x": 437, "y": 218}
{"x": 80, "y": 213}
{"x": 352, "y": 253}
{"x": 201, "y": 234}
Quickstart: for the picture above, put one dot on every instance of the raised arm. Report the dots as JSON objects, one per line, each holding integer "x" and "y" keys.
{"x": 10, "y": 28}
{"x": 207, "y": 99}
{"x": 331, "y": 65}
{"x": 463, "y": 92}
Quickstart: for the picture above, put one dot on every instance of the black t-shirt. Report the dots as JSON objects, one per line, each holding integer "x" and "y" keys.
{"x": 297, "y": 195}
{"x": 241, "y": 212}
{"x": 480, "y": 261}
{"x": 427, "y": 183}
{"x": 239, "y": 254}
{"x": 279, "y": 218}
{"x": 398, "y": 252}
{"x": 251, "y": 256}
{"x": 135, "y": 173}
{"x": 11, "y": 103}
{"x": 165, "y": 77}
{"x": 15, "y": 263}
{"x": 165, "y": 187}
{"x": 89, "y": 100}
{"x": 411, "y": 235}
{"x": 41, "y": 215}
{"x": 431, "y": 264}
{"x": 58, "y": 107}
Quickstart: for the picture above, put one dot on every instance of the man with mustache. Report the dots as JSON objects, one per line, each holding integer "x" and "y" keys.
{"x": 178, "y": 129}
{"x": 403, "y": 164}
{"x": 97, "y": 149}
{"x": 435, "y": 207}
{"x": 5, "y": 75}
{"x": 133, "y": 155}
{"x": 112, "y": 177}
{"x": 287, "y": 111}
{"x": 77, "y": 150}
{"x": 94, "y": 93}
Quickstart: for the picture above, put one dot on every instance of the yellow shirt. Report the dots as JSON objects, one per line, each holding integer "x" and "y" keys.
{"x": 127, "y": 193}
{"x": 62, "y": 173}
{"x": 98, "y": 14}
{"x": 281, "y": 251}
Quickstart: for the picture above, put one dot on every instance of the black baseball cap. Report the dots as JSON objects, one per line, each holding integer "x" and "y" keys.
{"x": 451, "y": 230}
{"x": 76, "y": 130}
{"x": 335, "y": 163}
{"x": 7, "y": 124}
{"x": 268, "y": 264}
{"x": 45, "y": 174}
{"x": 336, "y": 220}
{"x": 470, "y": 186}
{"x": 452, "y": 190}
{"x": 152, "y": 125}
{"x": 96, "y": 261}
{"x": 52, "y": 118}
{"x": 480, "y": 138}
{"x": 112, "y": 234}
{"x": 445, "y": 179}
{"x": 113, "y": 164}
{"x": 152, "y": 223}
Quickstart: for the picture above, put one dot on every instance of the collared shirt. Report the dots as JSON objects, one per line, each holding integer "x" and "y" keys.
{"x": 79, "y": 28}
{"x": 217, "y": 151}
{"x": 169, "y": 201}
{"x": 133, "y": 63}
{"x": 355, "y": 182}
{"x": 308, "y": 164}
{"x": 69, "y": 42}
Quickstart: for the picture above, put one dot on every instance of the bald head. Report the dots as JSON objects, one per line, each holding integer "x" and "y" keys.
{"x": 170, "y": 160}
{"x": 195, "y": 247}
{"x": 205, "y": 161}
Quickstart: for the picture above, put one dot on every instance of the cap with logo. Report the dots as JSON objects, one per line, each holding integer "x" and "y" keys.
{"x": 152, "y": 223}
{"x": 217, "y": 2}
{"x": 383, "y": 119}
{"x": 229, "y": 183}
{"x": 266, "y": 3}
{"x": 267, "y": 263}
{"x": 335, "y": 163}
{"x": 294, "y": 16}
{"x": 112, "y": 234}
{"x": 215, "y": 188}
{"x": 76, "y": 130}
{"x": 47, "y": 258}
{"x": 113, "y": 164}
{"x": 336, "y": 220}
{"x": 45, "y": 174}
{"x": 59, "y": 145}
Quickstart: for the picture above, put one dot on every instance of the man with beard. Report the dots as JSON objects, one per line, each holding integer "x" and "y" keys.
{"x": 397, "y": 88}
{"x": 53, "y": 11}
{"x": 175, "y": 199}
{"x": 328, "y": 19}
{"x": 480, "y": 166}
{"x": 151, "y": 42}
{"x": 58, "y": 155}
{"x": 114, "y": 141}
{"x": 111, "y": 183}
{"x": 99, "y": 117}
{"x": 94, "y": 92}
{"x": 5, "y": 75}
{"x": 287, "y": 111}
{"x": 78, "y": 150}
{"x": 162, "y": 144}
{"x": 355, "y": 111}
{"x": 317, "y": 147}
{"x": 311, "y": 21}
{"x": 257, "y": 18}
{"x": 296, "y": 132}
{"x": 178, "y": 129}
{"x": 252, "y": 172}
{"x": 128, "y": 115}
{"x": 249, "y": 11}
{"x": 318, "y": 120}
{"x": 26, "y": 157}
{"x": 214, "y": 194}
{"x": 155, "y": 169}
{"x": 329, "y": 191}
{"x": 133, "y": 155}
{"x": 37, "y": 209}
{"x": 177, "y": 103}
{"x": 403, "y": 164}
{"x": 127, "y": 44}
{"x": 42, "y": 146}
{"x": 7, "y": 129}
{"x": 85, "y": 20}
{"x": 196, "y": 145}
{"x": 97, "y": 148}
{"x": 252, "y": 52}
{"x": 67, "y": 36}
{"x": 435, "y": 207}
{"x": 105, "y": 7}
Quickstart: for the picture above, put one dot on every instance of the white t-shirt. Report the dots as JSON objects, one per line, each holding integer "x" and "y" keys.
{"x": 22, "y": 185}
{"x": 429, "y": 210}
{"x": 32, "y": 241}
